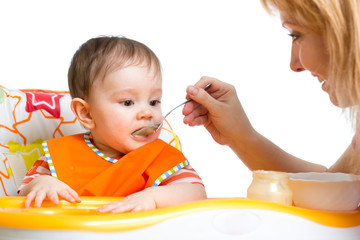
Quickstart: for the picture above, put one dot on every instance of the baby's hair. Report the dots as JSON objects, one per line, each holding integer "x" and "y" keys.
{"x": 101, "y": 55}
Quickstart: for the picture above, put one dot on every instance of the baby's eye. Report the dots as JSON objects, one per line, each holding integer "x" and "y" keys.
{"x": 154, "y": 102}
{"x": 127, "y": 103}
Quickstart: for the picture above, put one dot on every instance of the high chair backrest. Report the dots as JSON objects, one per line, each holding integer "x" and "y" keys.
{"x": 31, "y": 116}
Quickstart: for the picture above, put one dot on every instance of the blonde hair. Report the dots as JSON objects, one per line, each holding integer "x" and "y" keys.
{"x": 100, "y": 55}
{"x": 338, "y": 22}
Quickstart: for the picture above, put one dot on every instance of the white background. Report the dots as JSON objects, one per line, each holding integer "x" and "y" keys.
{"x": 235, "y": 41}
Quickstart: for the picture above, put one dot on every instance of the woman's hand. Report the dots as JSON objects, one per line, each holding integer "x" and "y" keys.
{"x": 219, "y": 110}
{"x": 45, "y": 186}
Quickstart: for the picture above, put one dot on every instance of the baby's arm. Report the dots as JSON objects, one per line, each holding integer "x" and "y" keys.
{"x": 158, "y": 197}
{"x": 39, "y": 184}
{"x": 45, "y": 186}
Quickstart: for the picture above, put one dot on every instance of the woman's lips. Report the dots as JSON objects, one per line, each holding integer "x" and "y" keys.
{"x": 322, "y": 81}
{"x": 324, "y": 86}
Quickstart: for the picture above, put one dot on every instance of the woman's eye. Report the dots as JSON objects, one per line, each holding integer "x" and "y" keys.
{"x": 127, "y": 103}
{"x": 154, "y": 102}
{"x": 294, "y": 36}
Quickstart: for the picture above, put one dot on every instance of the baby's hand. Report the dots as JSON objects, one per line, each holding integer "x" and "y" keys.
{"x": 140, "y": 201}
{"x": 48, "y": 187}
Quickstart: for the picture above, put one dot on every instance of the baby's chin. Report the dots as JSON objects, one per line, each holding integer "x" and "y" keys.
{"x": 147, "y": 138}
{"x": 138, "y": 141}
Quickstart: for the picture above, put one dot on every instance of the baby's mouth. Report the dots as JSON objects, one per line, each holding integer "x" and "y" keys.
{"x": 148, "y": 130}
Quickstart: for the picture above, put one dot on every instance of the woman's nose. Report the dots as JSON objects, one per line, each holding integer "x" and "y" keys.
{"x": 295, "y": 63}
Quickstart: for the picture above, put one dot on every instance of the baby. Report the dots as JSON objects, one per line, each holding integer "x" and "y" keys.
{"x": 116, "y": 88}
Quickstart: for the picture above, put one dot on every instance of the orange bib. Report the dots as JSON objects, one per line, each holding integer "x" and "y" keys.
{"x": 87, "y": 171}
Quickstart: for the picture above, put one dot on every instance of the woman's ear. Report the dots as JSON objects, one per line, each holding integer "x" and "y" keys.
{"x": 81, "y": 109}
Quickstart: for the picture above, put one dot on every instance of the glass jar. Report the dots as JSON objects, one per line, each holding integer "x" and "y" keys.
{"x": 270, "y": 186}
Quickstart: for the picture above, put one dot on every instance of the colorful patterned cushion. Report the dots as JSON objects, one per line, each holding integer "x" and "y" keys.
{"x": 29, "y": 117}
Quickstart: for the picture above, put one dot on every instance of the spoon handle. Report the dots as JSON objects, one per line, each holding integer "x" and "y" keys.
{"x": 176, "y": 108}
{"x": 205, "y": 88}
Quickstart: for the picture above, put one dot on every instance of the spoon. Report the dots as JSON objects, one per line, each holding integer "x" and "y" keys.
{"x": 145, "y": 131}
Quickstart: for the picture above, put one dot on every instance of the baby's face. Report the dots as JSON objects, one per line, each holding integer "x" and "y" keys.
{"x": 125, "y": 100}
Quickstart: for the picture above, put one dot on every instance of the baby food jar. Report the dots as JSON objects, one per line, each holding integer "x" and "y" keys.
{"x": 270, "y": 186}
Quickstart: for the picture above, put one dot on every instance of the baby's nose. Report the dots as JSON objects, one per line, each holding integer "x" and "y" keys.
{"x": 145, "y": 113}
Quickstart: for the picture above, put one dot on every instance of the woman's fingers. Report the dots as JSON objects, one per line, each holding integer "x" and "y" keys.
{"x": 198, "y": 116}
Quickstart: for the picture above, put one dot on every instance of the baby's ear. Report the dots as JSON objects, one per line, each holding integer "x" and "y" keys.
{"x": 81, "y": 109}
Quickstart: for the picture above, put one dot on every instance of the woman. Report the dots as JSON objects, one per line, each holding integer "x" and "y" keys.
{"x": 325, "y": 41}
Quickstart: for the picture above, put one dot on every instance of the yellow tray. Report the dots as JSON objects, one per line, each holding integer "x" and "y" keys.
{"x": 84, "y": 217}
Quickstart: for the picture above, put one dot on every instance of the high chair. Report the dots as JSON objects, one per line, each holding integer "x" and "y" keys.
{"x": 29, "y": 117}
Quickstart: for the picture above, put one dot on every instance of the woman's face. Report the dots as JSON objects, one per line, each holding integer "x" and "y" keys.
{"x": 309, "y": 52}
